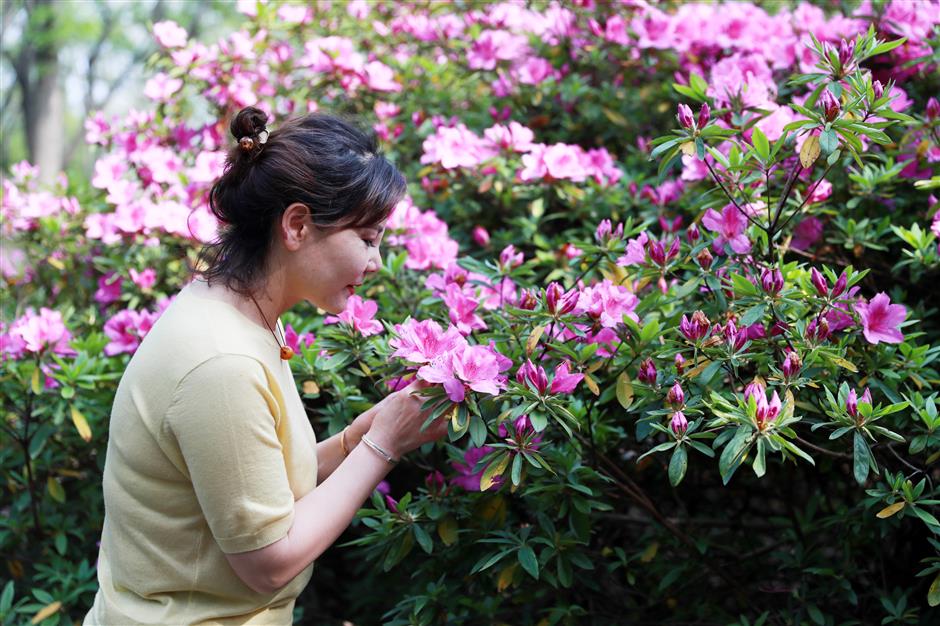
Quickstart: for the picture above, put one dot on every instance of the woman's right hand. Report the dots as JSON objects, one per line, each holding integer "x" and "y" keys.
{"x": 396, "y": 424}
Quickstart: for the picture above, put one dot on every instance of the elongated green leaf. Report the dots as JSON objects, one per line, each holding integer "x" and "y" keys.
{"x": 528, "y": 561}
{"x": 733, "y": 454}
{"x": 678, "y": 465}
{"x": 862, "y": 458}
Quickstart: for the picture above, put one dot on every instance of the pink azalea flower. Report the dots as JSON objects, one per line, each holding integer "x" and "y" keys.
{"x": 126, "y": 330}
{"x": 880, "y": 319}
{"x": 109, "y": 288}
{"x": 359, "y": 314}
{"x": 466, "y": 477}
{"x": 635, "y": 252}
{"x": 730, "y": 226}
{"x": 145, "y": 279}
{"x": 424, "y": 341}
{"x": 36, "y": 333}
{"x": 608, "y": 303}
{"x": 161, "y": 87}
{"x": 169, "y": 34}
{"x": 293, "y": 339}
{"x": 806, "y": 233}
{"x": 474, "y": 367}
{"x": 462, "y": 309}
{"x": 563, "y": 381}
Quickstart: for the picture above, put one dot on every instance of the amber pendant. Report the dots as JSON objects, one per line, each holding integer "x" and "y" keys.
{"x": 286, "y": 353}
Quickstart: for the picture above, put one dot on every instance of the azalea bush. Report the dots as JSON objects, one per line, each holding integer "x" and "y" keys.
{"x": 666, "y": 270}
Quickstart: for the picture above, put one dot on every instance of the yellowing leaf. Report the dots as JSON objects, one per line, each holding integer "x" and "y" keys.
{"x": 56, "y": 492}
{"x": 453, "y": 417}
{"x": 56, "y": 263}
{"x": 16, "y": 569}
{"x": 624, "y": 390}
{"x": 845, "y": 364}
{"x": 933, "y": 594}
{"x": 592, "y": 385}
{"x": 533, "y": 339}
{"x": 493, "y": 509}
{"x": 615, "y": 117}
{"x": 311, "y": 387}
{"x": 890, "y": 510}
{"x": 650, "y": 553}
{"x": 810, "y": 151}
{"x": 505, "y": 577}
{"x": 46, "y": 611}
{"x": 494, "y": 469}
{"x": 688, "y": 148}
{"x": 34, "y": 383}
{"x": 365, "y": 369}
{"x": 695, "y": 371}
{"x": 447, "y": 531}
{"x": 81, "y": 424}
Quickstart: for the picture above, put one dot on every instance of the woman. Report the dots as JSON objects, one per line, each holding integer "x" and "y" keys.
{"x": 217, "y": 496}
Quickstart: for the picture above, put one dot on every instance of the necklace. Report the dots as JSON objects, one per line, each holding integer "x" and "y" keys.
{"x": 286, "y": 353}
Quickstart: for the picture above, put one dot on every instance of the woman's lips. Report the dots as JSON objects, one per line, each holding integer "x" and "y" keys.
{"x": 350, "y": 289}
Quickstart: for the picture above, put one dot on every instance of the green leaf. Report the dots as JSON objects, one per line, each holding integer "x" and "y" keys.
{"x": 6, "y": 599}
{"x": 828, "y": 141}
{"x": 753, "y": 314}
{"x": 516, "y": 472}
{"x": 528, "y": 561}
{"x": 760, "y": 464}
{"x": 733, "y": 454}
{"x": 927, "y": 518}
{"x": 862, "y": 458}
{"x": 424, "y": 540}
{"x": 761, "y": 145}
{"x": 678, "y": 465}
{"x": 933, "y": 594}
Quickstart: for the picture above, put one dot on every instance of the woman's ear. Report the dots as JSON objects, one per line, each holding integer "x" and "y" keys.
{"x": 295, "y": 225}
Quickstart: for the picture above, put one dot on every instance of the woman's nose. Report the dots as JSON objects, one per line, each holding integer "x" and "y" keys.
{"x": 375, "y": 262}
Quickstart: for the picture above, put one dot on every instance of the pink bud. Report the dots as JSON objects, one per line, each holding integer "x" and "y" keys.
{"x": 558, "y": 301}
{"x": 676, "y": 396}
{"x": 840, "y": 285}
{"x": 933, "y": 109}
{"x": 878, "y": 89}
{"x": 685, "y": 116}
{"x": 480, "y": 236}
{"x": 791, "y": 365}
{"x": 673, "y": 250}
{"x": 846, "y": 51}
{"x": 527, "y": 300}
{"x": 435, "y": 482}
{"x": 679, "y": 362}
{"x": 647, "y": 372}
{"x": 703, "y": 115}
{"x": 692, "y": 234}
{"x": 851, "y": 403}
{"x": 679, "y": 423}
{"x": 705, "y": 259}
{"x": 656, "y": 252}
{"x": 772, "y": 281}
{"x": 819, "y": 282}
{"x": 602, "y": 233}
{"x": 830, "y": 105}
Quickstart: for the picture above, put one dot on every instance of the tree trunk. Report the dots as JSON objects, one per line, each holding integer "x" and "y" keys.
{"x": 37, "y": 72}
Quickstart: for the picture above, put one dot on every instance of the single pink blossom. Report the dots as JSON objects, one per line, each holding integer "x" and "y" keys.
{"x": 126, "y": 330}
{"x": 109, "y": 288}
{"x": 730, "y": 225}
{"x": 38, "y": 332}
{"x": 880, "y": 319}
{"x": 474, "y": 367}
{"x": 563, "y": 381}
{"x": 359, "y": 314}
{"x": 424, "y": 341}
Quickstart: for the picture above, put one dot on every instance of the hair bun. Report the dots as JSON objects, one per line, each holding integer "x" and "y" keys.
{"x": 248, "y": 127}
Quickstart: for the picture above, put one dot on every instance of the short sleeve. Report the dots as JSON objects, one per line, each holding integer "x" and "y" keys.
{"x": 224, "y": 419}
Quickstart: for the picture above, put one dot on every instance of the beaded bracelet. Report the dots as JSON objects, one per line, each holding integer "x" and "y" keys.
{"x": 378, "y": 450}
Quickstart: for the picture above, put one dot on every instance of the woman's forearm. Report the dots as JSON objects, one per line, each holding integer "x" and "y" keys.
{"x": 320, "y": 517}
{"x": 330, "y": 451}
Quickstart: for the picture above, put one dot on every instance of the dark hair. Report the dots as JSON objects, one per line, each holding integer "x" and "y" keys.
{"x": 319, "y": 160}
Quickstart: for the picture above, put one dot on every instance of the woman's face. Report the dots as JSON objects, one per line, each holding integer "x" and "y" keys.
{"x": 335, "y": 262}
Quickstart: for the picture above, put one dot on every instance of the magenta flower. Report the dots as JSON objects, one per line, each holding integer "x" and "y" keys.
{"x": 852, "y": 400}
{"x": 293, "y": 339}
{"x": 480, "y": 236}
{"x": 696, "y": 328}
{"x": 509, "y": 258}
{"x": 360, "y": 315}
{"x": 462, "y": 309}
{"x": 608, "y": 303}
{"x": 422, "y": 342}
{"x": 474, "y": 367}
{"x": 36, "y": 333}
{"x": 679, "y": 423}
{"x": 466, "y": 477}
{"x": 685, "y": 116}
{"x": 647, "y": 372}
{"x": 676, "y": 396}
{"x": 636, "y": 251}
{"x": 766, "y": 411}
{"x": 109, "y": 288}
{"x": 730, "y": 226}
{"x": 126, "y": 330}
{"x": 558, "y": 301}
{"x": 564, "y": 381}
{"x": 533, "y": 375}
{"x": 880, "y": 319}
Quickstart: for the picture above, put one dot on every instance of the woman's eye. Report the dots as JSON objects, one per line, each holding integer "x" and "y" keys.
{"x": 369, "y": 243}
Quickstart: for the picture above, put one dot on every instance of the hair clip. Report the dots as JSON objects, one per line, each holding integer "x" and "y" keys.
{"x": 263, "y": 137}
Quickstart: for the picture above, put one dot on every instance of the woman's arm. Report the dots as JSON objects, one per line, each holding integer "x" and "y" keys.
{"x": 330, "y": 451}
{"x": 321, "y": 516}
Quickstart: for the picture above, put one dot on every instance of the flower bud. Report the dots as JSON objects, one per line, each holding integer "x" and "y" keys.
{"x": 851, "y": 403}
{"x": 878, "y": 89}
{"x": 791, "y": 365}
{"x": 534, "y": 374}
{"x": 703, "y": 115}
{"x": 676, "y": 396}
{"x": 754, "y": 388}
{"x": 509, "y": 258}
{"x": 679, "y": 423}
{"x": 840, "y": 285}
{"x": 679, "y": 362}
{"x": 673, "y": 250}
{"x": 558, "y": 301}
{"x": 933, "y": 109}
{"x": 818, "y": 330}
{"x": 772, "y": 281}
{"x": 480, "y": 236}
{"x": 656, "y": 252}
{"x": 696, "y": 328}
{"x": 527, "y": 300}
{"x": 685, "y": 116}
{"x": 435, "y": 482}
{"x": 704, "y": 259}
{"x": 692, "y": 234}
{"x": 830, "y": 105}
{"x": 819, "y": 282}
{"x": 647, "y": 372}
{"x": 846, "y": 52}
